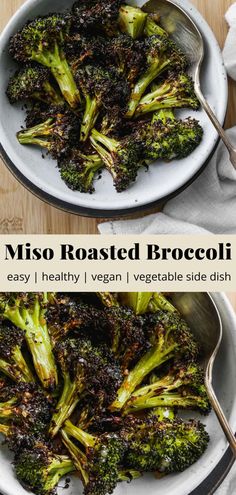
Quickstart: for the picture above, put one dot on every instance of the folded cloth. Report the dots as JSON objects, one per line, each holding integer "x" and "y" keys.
{"x": 209, "y": 204}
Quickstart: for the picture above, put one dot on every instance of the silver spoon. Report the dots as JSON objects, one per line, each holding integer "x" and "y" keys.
{"x": 202, "y": 315}
{"x": 188, "y": 37}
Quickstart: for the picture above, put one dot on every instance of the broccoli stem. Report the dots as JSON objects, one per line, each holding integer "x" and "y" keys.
{"x": 77, "y": 455}
{"x": 152, "y": 28}
{"x": 56, "y": 62}
{"x": 164, "y": 115}
{"x": 50, "y": 94}
{"x": 32, "y": 322}
{"x": 5, "y": 430}
{"x": 163, "y": 413}
{"x": 66, "y": 405}
{"x": 33, "y": 135}
{"x": 160, "y": 103}
{"x": 86, "y": 439}
{"x": 138, "y": 301}
{"x": 58, "y": 468}
{"x": 90, "y": 117}
{"x": 151, "y": 360}
{"x": 108, "y": 299}
{"x": 132, "y": 21}
{"x": 159, "y": 302}
{"x": 19, "y": 371}
{"x": 6, "y": 409}
{"x": 104, "y": 154}
{"x": 129, "y": 475}
{"x": 163, "y": 400}
{"x": 143, "y": 83}
{"x": 109, "y": 143}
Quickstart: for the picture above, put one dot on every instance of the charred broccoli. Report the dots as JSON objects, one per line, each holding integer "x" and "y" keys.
{"x": 27, "y": 312}
{"x": 33, "y": 82}
{"x": 79, "y": 170}
{"x": 12, "y": 361}
{"x": 42, "y": 41}
{"x": 100, "y": 15}
{"x": 120, "y": 157}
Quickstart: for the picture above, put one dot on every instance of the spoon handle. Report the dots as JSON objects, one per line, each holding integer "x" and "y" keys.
{"x": 216, "y": 123}
{"x": 221, "y": 417}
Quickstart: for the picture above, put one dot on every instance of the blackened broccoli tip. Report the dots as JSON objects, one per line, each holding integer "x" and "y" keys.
{"x": 161, "y": 54}
{"x": 132, "y": 21}
{"x": 79, "y": 171}
{"x": 40, "y": 470}
{"x": 27, "y": 312}
{"x": 57, "y": 134}
{"x": 12, "y": 360}
{"x": 101, "y": 16}
{"x": 85, "y": 368}
{"x": 170, "y": 338}
{"x": 166, "y": 447}
{"x": 120, "y": 157}
{"x": 42, "y": 41}
{"x": 176, "y": 92}
{"x": 104, "y": 454}
{"x": 33, "y": 82}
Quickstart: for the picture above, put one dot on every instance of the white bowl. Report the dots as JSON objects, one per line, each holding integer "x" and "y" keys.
{"x": 160, "y": 181}
{"x": 204, "y": 476}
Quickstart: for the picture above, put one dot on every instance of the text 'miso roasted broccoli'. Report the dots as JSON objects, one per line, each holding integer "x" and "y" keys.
{"x": 42, "y": 41}
{"x": 40, "y": 470}
{"x": 12, "y": 361}
{"x": 57, "y": 134}
{"x": 33, "y": 82}
{"x": 120, "y": 157}
{"x": 166, "y": 446}
{"x": 99, "y": 466}
{"x": 170, "y": 338}
{"x": 27, "y": 312}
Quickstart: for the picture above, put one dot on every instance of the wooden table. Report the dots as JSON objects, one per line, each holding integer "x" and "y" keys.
{"x": 21, "y": 212}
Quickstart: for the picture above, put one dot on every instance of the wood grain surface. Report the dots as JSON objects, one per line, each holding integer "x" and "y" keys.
{"x": 20, "y": 211}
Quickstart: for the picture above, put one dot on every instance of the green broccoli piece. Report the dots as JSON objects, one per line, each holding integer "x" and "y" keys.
{"x": 33, "y": 82}
{"x": 40, "y": 470}
{"x": 27, "y": 312}
{"x": 100, "y": 464}
{"x": 12, "y": 361}
{"x": 42, "y": 41}
{"x": 121, "y": 158}
{"x": 57, "y": 134}
{"x": 170, "y": 338}
{"x": 79, "y": 170}
{"x": 153, "y": 28}
{"x": 176, "y": 92}
{"x": 182, "y": 387}
{"x": 161, "y": 54}
{"x": 138, "y": 301}
{"x": 85, "y": 368}
{"x": 166, "y": 447}
{"x": 159, "y": 301}
{"x": 132, "y": 21}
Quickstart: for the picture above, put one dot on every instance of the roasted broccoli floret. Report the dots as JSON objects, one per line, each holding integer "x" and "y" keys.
{"x": 85, "y": 369}
{"x": 27, "y": 407}
{"x": 183, "y": 387}
{"x": 27, "y": 312}
{"x": 162, "y": 54}
{"x": 176, "y": 92}
{"x": 167, "y": 446}
{"x": 168, "y": 138}
{"x": 40, "y": 470}
{"x": 99, "y": 466}
{"x": 170, "y": 338}
{"x": 79, "y": 170}
{"x": 57, "y": 134}
{"x": 120, "y": 157}
{"x": 132, "y": 21}
{"x": 33, "y": 83}
{"x": 41, "y": 40}
{"x": 101, "y": 88}
{"x": 99, "y": 15}
{"x": 128, "y": 56}
{"x": 12, "y": 361}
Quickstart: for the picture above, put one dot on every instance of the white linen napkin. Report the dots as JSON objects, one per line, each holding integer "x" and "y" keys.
{"x": 209, "y": 204}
